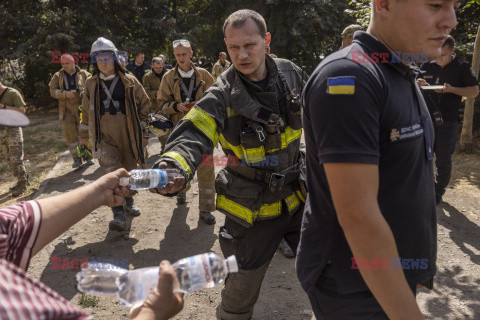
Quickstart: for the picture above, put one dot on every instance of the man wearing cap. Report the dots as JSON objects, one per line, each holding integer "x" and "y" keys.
{"x": 151, "y": 84}
{"x": 347, "y": 34}
{"x": 455, "y": 75}
{"x": 254, "y": 112}
{"x": 369, "y": 233}
{"x": 11, "y": 138}
{"x": 180, "y": 89}
{"x": 220, "y": 66}
{"x": 67, "y": 87}
{"x": 116, "y": 121}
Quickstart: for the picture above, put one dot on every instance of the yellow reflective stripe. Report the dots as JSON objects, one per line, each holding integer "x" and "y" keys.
{"x": 176, "y": 156}
{"x": 300, "y": 195}
{"x": 204, "y": 122}
{"x": 266, "y": 210}
{"x": 231, "y": 112}
{"x": 292, "y": 202}
{"x": 270, "y": 210}
{"x": 235, "y": 209}
{"x": 288, "y": 137}
{"x": 252, "y": 155}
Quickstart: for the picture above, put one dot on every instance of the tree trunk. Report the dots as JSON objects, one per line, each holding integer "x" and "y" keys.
{"x": 466, "y": 144}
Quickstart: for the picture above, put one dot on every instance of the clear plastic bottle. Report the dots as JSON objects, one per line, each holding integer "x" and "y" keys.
{"x": 28, "y": 165}
{"x": 150, "y": 178}
{"x": 132, "y": 287}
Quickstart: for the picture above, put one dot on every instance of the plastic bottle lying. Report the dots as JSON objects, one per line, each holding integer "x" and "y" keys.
{"x": 132, "y": 287}
{"x": 150, "y": 178}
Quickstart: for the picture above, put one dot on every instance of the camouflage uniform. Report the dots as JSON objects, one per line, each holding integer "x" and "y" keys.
{"x": 218, "y": 69}
{"x": 68, "y": 111}
{"x": 12, "y": 139}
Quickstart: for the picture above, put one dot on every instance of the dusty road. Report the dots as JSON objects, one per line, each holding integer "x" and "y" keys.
{"x": 167, "y": 231}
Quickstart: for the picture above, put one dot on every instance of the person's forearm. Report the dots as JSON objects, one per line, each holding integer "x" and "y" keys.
{"x": 469, "y": 92}
{"x": 60, "y": 212}
{"x": 370, "y": 238}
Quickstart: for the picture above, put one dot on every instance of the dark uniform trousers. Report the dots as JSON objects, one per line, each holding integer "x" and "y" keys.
{"x": 329, "y": 304}
{"x": 254, "y": 248}
{"x": 445, "y": 142}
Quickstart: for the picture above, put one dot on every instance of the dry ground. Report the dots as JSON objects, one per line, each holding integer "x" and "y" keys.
{"x": 167, "y": 231}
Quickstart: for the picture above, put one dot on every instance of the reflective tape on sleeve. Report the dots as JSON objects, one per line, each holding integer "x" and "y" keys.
{"x": 204, "y": 122}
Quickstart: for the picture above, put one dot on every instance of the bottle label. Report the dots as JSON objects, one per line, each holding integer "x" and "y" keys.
{"x": 199, "y": 272}
{"x": 163, "y": 178}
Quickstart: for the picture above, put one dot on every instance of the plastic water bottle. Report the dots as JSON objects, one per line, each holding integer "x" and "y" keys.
{"x": 132, "y": 287}
{"x": 150, "y": 178}
{"x": 28, "y": 165}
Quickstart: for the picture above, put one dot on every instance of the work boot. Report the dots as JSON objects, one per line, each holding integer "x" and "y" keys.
{"x": 181, "y": 198}
{"x": 207, "y": 217}
{"x": 131, "y": 207}
{"x": 89, "y": 161}
{"x": 286, "y": 250}
{"x": 118, "y": 223}
{"x": 77, "y": 162}
{"x": 19, "y": 188}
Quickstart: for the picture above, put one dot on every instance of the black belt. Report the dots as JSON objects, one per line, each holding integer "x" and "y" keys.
{"x": 275, "y": 181}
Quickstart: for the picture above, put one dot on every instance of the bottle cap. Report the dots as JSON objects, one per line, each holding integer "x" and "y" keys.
{"x": 232, "y": 264}
{"x": 124, "y": 181}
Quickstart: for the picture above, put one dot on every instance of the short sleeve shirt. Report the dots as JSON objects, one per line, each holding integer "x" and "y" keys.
{"x": 371, "y": 113}
{"x": 458, "y": 74}
{"x": 21, "y": 296}
{"x": 12, "y": 98}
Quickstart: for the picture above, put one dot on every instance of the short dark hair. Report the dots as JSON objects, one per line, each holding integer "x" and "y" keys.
{"x": 450, "y": 42}
{"x": 157, "y": 60}
{"x": 138, "y": 53}
{"x": 240, "y": 17}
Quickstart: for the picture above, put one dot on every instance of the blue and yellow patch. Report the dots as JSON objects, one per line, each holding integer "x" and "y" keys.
{"x": 341, "y": 85}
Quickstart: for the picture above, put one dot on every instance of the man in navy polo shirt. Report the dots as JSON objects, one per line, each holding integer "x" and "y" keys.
{"x": 369, "y": 227}
{"x": 455, "y": 75}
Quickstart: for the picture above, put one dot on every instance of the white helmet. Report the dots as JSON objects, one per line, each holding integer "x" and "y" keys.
{"x": 102, "y": 44}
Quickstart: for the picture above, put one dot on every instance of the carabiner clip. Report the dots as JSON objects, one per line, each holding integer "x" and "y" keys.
{"x": 260, "y": 133}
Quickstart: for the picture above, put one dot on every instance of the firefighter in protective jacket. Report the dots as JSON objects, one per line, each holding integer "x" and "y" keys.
{"x": 254, "y": 112}
{"x": 115, "y": 119}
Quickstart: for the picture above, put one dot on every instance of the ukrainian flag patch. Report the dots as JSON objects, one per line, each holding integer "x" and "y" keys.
{"x": 341, "y": 85}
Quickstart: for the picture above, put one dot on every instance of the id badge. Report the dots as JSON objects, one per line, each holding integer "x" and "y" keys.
{"x": 427, "y": 135}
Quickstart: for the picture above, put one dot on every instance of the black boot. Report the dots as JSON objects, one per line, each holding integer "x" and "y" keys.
{"x": 77, "y": 163}
{"x": 118, "y": 223}
{"x": 131, "y": 207}
{"x": 207, "y": 217}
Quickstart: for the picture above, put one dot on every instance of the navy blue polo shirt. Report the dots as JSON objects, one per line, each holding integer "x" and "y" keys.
{"x": 457, "y": 74}
{"x": 371, "y": 113}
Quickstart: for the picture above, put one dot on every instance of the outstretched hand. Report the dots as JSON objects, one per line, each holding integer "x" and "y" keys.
{"x": 170, "y": 187}
{"x": 109, "y": 187}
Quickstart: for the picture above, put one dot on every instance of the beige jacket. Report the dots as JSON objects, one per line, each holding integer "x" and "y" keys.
{"x": 58, "y": 91}
{"x": 218, "y": 70}
{"x": 137, "y": 106}
{"x": 170, "y": 94}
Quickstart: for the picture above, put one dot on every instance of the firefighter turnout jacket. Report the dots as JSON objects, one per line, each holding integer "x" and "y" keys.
{"x": 260, "y": 135}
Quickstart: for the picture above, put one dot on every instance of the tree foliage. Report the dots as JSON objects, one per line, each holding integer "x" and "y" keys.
{"x": 304, "y": 31}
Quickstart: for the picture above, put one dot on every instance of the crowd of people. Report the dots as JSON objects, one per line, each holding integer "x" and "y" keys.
{"x": 364, "y": 192}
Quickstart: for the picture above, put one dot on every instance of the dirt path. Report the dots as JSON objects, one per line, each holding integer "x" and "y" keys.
{"x": 167, "y": 231}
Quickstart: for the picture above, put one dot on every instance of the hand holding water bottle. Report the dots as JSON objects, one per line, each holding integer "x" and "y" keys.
{"x": 171, "y": 186}
{"x": 162, "y": 302}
